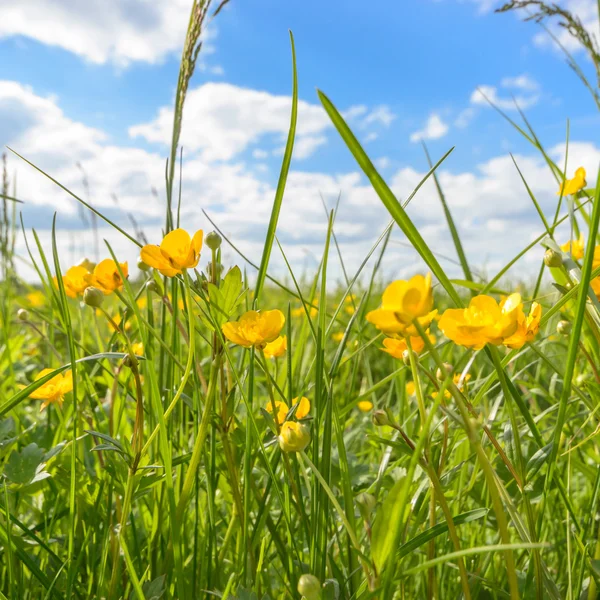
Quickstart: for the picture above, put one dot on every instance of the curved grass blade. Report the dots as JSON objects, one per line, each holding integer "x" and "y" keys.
{"x": 387, "y": 197}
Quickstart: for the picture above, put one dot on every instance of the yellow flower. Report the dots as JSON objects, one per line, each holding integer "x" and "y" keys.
{"x": 337, "y": 337}
{"x": 572, "y": 186}
{"x": 276, "y": 348}
{"x": 350, "y": 303}
{"x": 75, "y": 280}
{"x": 396, "y": 347}
{"x": 283, "y": 409}
{"x": 456, "y": 380}
{"x": 106, "y": 275}
{"x": 53, "y": 390}
{"x": 294, "y": 436}
{"x": 574, "y": 247}
{"x": 255, "y": 328}
{"x": 138, "y": 348}
{"x": 410, "y": 388}
{"x": 36, "y": 299}
{"x": 527, "y": 327}
{"x": 365, "y": 405}
{"x": 595, "y": 283}
{"x": 484, "y": 321}
{"x": 402, "y": 303}
{"x": 176, "y": 252}
{"x": 312, "y": 310}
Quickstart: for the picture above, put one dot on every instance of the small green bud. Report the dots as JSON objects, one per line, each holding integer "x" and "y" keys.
{"x": 380, "y": 418}
{"x": 366, "y": 504}
{"x": 564, "y": 327}
{"x": 441, "y": 375}
{"x": 152, "y": 286}
{"x": 93, "y": 297}
{"x": 87, "y": 264}
{"x": 22, "y": 314}
{"x": 309, "y": 586}
{"x": 552, "y": 258}
{"x": 213, "y": 240}
{"x": 406, "y": 358}
{"x": 581, "y": 379}
{"x": 142, "y": 266}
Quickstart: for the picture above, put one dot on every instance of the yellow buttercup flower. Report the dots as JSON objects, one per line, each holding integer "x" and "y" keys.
{"x": 138, "y": 348}
{"x": 396, "y": 347}
{"x": 283, "y": 409}
{"x": 350, "y": 303}
{"x": 255, "y": 328}
{"x": 483, "y": 322}
{"x": 402, "y": 303}
{"x": 53, "y": 390}
{"x": 75, "y": 280}
{"x": 365, "y": 405}
{"x": 527, "y": 327}
{"x": 574, "y": 247}
{"x": 410, "y": 388}
{"x": 177, "y": 251}
{"x": 106, "y": 275}
{"x": 595, "y": 283}
{"x": 294, "y": 436}
{"x": 338, "y": 336}
{"x": 312, "y": 309}
{"x": 36, "y": 299}
{"x": 456, "y": 380}
{"x": 572, "y": 186}
{"x": 277, "y": 348}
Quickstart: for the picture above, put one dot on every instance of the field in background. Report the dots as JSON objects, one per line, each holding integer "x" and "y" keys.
{"x": 198, "y": 434}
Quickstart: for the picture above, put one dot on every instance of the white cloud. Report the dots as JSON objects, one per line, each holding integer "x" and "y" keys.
{"x": 101, "y": 31}
{"x": 490, "y": 197}
{"x": 380, "y": 115}
{"x": 221, "y": 120}
{"x": 485, "y": 94}
{"x": 520, "y": 82}
{"x": 434, "y": 129}
{"x": 464, "y": 117}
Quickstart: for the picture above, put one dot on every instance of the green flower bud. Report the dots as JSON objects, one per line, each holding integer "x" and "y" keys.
{"x": 152, "y": 286}
{"x": 380, "y": 418}
{"x": 441, "y": 375}
{"x": 87, "y": 264}
{"x": 142, "y": 266}
{"x": 22, "y": 314}
{"x": 293, "y": 436}
{"x": 213, "y": 240}
{"x": 564, "y": 327}
{"x": 366, "y": 504}
{"x": 93, "y": 296}
{"x": 309, "y": 586}
{"x": 406, "y": 358}
{"x": 552, "y": 258}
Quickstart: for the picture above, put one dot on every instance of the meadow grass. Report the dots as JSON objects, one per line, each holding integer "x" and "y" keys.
{"x": 175, "y": 457}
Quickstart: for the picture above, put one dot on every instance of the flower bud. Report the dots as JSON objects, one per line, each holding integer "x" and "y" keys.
{"x": 552, "y": 258}
{"x": 293, "y": 436}
{"x": 22, "y": 314}
{"x": 87, "y": 264}
{"x": 564, "y": 327}
{"x": 93, "y": 297}
{"x": 380, "y": 418}
{"x": 309, "y": 586}
{"x": 406, "y": 358}
{"x": 213, "y": 240}
{"x": 142, "y": 266}
{"x": 441, "y": 375}
{"x": 152, "y": 286}
{"x": 581, "y": 379}
{"x": 366, "y": 504}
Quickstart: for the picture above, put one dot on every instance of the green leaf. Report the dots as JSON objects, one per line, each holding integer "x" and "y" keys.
{"x": 536, "y": 462}
{"x": 383, "y": 534}
{"x": 22, "y": 467}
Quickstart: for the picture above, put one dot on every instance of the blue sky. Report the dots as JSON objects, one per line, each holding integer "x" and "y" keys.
{"x": 93, "y": 84}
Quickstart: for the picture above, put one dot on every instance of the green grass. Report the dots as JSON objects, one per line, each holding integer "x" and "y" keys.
{"x": 160, "y": 476}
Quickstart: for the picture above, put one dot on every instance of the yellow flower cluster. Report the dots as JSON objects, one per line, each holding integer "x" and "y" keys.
{"x": 104, "y": 276}
{"x": 293, "y": 436}
{"x": 486, "y": 321}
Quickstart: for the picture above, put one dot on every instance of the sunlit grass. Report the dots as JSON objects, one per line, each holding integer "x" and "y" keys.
{"x": 204, "y": 433}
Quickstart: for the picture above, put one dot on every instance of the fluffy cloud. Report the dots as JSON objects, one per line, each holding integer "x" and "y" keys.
{"x": 487, "y": 202}
{"x": 101, "y": 31}
{"x": 524, "y": 92}
{"x": 434, "y": 129}
{"x": 222, "y": 120}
